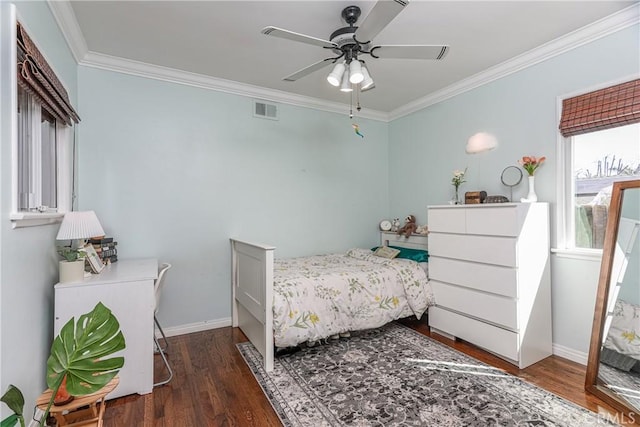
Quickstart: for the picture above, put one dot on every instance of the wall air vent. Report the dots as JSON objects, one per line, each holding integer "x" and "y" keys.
{"x": 265, "y": 111}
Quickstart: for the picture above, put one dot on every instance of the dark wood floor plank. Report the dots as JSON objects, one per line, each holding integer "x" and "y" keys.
{"x": 213, "y": 386}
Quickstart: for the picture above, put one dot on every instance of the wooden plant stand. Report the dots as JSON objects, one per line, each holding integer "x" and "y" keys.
{"x": 83, "y": 411}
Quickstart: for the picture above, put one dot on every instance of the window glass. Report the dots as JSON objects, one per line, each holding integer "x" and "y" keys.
{"x": 24, "y": 150}
{"x": 599, "y": 159}
{"x": 37, "y": 156}
{"x": 48, "y": 148}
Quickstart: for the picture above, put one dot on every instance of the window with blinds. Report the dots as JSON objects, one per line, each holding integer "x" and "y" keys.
{"x": 43, "y": 111}
{"x": 602, "y": 145}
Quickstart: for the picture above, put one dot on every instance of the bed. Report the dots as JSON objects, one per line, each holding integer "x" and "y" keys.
{"x": 282, "y": 303}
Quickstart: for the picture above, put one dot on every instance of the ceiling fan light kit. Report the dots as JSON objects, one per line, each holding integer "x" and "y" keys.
{"x": 352, "y": 41}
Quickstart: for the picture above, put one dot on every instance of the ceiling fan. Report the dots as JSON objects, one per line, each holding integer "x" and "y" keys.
{"x": 349, "y": 44}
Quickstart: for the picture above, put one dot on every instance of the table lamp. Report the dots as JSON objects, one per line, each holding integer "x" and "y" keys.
{"x": 79, "y": 225}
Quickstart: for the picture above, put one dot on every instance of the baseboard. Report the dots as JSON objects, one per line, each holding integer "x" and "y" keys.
{"x": 571, "y": 354}
{"x": 190, "y": 328}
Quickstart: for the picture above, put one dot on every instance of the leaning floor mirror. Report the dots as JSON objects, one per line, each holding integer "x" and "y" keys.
{"x": 613, "y": 368}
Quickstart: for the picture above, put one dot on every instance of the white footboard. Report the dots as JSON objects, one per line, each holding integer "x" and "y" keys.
{"x": 252, "y": 295}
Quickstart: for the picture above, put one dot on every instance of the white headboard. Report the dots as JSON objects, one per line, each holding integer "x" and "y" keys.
{"x": 415, "y": 241}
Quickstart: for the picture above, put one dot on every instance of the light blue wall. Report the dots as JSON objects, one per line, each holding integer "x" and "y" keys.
{"x": 174, "y": 171}
{"x": 521, "y": 110}
{"x": 28, "y": 262}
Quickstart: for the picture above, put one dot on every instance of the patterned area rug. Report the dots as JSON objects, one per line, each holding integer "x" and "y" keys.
{"x": 394, "y": 376}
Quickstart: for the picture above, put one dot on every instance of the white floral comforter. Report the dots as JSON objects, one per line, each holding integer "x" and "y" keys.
{"x": 319, "y": 296}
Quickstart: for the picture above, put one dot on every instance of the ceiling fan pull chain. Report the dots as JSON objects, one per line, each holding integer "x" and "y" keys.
{"x": 351, "y": 105}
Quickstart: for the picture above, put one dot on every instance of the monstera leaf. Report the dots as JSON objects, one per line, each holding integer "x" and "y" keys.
{"x": 14, "y": 399}
{"x": 79, "y": 352}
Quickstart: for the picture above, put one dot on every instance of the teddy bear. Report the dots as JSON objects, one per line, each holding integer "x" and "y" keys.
{"x": 409, "y": 226}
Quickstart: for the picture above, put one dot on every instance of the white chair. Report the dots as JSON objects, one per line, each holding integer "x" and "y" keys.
{"x": 161, "y": 350}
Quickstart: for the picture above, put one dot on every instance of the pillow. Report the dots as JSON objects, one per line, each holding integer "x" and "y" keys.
{"x": 386, "y": 252}
{"x": 417, "y": 255}
{"x": 623, "y": 333}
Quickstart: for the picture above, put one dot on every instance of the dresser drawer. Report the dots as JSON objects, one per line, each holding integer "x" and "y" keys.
{"x": 489, "y": 307}
{"x": 485, "y": 277}
{"x": 486, "y": 249}
{"x": 492, "y": 338}
{"x": 446, "y": 220}
{"x": 502, "y": 221}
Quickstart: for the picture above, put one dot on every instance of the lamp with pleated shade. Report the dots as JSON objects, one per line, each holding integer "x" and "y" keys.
{"x": 80, "y": 225}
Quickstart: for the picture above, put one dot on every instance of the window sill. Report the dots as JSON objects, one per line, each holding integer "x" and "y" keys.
{"x": 33, "y": 219}
{"x": 583, "y": 254}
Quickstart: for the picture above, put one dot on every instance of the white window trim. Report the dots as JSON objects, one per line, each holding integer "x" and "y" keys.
{"x": 64, "y": 152}
{"x": 64, "y": 161}
{"x": 565, "y": 219}
{"x": 565, "y": 236}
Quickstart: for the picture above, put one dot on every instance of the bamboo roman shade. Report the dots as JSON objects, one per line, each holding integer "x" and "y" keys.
{"x": 36, "y": 77}
{"x": 607, "y": 108}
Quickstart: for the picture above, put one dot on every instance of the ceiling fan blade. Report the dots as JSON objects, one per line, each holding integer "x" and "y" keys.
{"x": 308, "y": 70}
{"x": 409, "y": 52}
{"x": 382, "y": 13}
{"x": 297, "y": 37}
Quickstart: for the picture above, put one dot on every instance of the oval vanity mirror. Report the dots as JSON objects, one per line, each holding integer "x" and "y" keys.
{"x": 511, "y": 176}
{"x": 613, "y": 368}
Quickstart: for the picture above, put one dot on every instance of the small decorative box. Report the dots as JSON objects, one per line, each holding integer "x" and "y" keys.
{"x": 474, "y": 197}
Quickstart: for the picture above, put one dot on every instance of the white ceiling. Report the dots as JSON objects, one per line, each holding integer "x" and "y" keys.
{"x": 222, "y": 39}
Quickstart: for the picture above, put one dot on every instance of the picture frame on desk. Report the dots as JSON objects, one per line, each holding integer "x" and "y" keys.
{"x": 94, "y": 260}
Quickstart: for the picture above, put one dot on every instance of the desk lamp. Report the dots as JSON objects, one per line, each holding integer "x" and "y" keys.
{"x": 79, "y": 226}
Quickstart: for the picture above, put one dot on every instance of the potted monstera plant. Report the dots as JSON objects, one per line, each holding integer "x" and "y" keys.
{"x": 78, "y": 360}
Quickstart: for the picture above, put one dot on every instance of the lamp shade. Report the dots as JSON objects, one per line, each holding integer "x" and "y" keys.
{"x": 79, "y": 225}
{"x": 481, "y": 142}
{"x": 355, "y": 72}
{"x": 335, "y": 77}
{"x": 368, "y": 81}
{"x": 346, "y": 85}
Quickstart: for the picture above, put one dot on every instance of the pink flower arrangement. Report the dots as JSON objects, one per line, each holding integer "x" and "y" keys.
{"x": 530, "y": 163}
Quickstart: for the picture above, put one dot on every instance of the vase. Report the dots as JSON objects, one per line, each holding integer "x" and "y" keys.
{"x": 456, "y": 198}
{"x": 71, "y": 271}
{"x": 531, "y": 196}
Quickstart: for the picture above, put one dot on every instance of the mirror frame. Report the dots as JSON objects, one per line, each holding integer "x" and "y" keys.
{"x": 592, "y": 385}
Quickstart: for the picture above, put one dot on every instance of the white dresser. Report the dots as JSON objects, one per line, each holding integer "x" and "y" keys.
{"x": 489, "y": 268}
{"x": 126, "y": 288}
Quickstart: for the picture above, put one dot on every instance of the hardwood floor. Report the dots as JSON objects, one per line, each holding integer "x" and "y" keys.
{"x": 212, "y": 386}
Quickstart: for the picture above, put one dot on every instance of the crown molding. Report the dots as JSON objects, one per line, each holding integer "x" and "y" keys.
{"x": 68, "y": 24}
{"x": 598, "y": 29}
{"x": 65, "y": 17}
{"x": 141, "y": 69}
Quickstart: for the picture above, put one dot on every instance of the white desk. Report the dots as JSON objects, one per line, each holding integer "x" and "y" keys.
{"x": 126, "y": 288}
